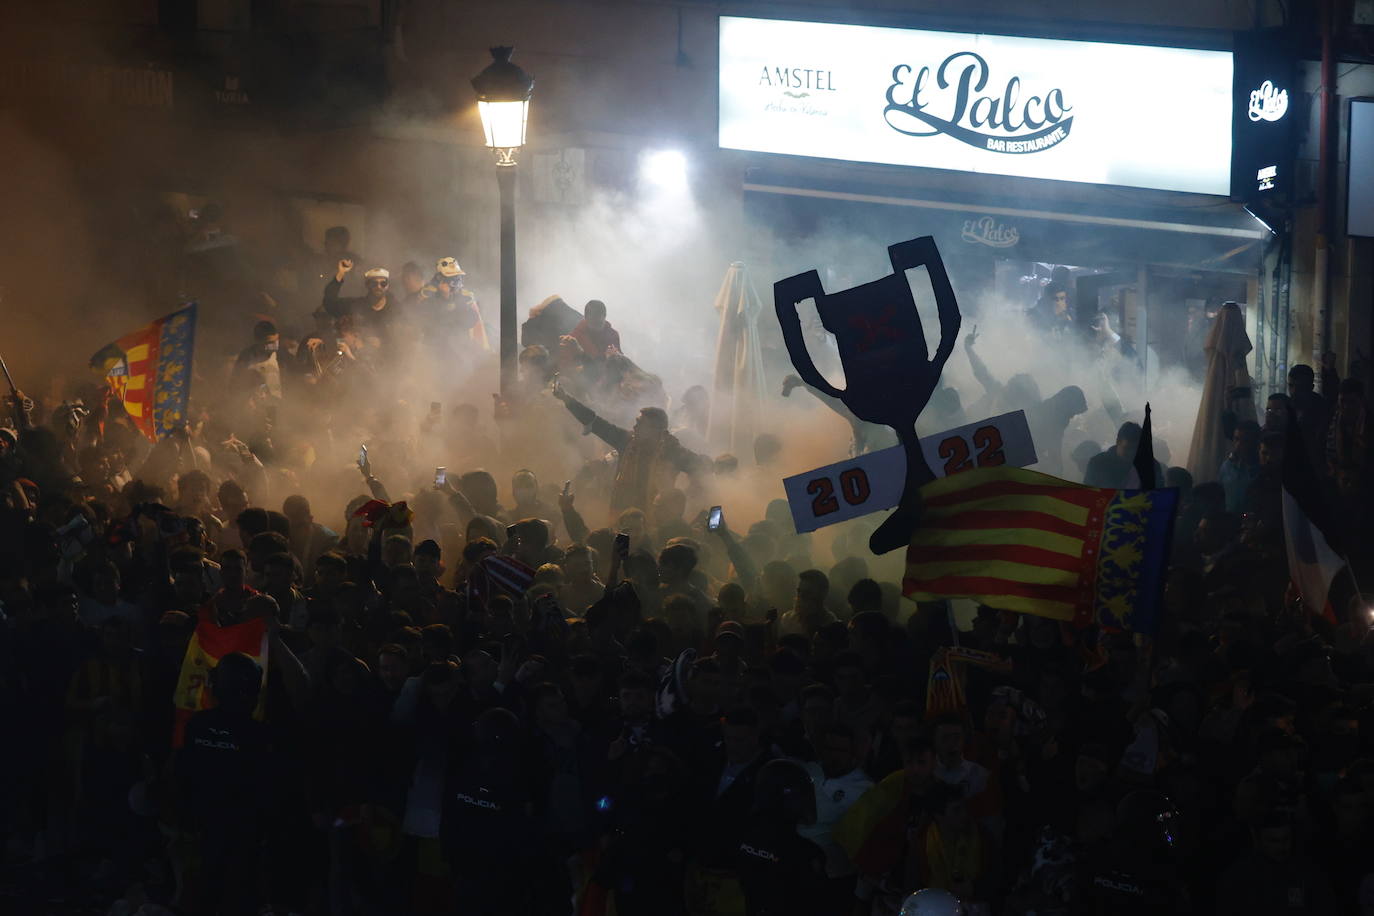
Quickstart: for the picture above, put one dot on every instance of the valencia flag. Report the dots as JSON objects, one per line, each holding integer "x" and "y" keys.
{"x": 149, "y": 371}
{"x": 1022, "y": 541}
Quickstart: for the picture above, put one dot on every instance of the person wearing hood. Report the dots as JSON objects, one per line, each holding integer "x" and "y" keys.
{"x": 447, "y": 315}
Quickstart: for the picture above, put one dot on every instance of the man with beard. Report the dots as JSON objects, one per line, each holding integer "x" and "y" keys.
{"x": 650, "y": 456}
{"x": 373, "y": 314}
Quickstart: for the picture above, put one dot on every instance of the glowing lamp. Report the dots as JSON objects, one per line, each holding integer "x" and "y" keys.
{"x": 503, "y": 102}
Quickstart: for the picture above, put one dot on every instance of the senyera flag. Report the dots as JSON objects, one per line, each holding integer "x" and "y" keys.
{"x": 149, "y": 371}
{"x": 945, "y": 682}
{"x": 208, "y": 645}
{"x": 1023, "y": 541}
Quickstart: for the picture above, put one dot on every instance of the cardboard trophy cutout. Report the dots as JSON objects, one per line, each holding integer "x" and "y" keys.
{"x": 888, "y": 370}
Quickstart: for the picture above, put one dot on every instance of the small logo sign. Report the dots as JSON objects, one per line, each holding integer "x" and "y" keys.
{"x": 1268, "y": 103}
{"x": 231, "y": 94}
{"x": 987, "y": 231}
{"x": 1267, "y": 177}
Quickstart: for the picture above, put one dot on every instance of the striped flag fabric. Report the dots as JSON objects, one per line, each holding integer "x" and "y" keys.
{"x": 208, "y": 645}
{"x": 149, "y": 371}
{"x": 496, "y": 574}
{"x": 1314, "y": 557}
{"x": 1022, "y": 541}
{"x": 945, "y": 682}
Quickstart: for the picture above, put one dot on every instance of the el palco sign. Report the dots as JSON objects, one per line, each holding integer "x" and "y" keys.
{"x": 1030, "y": 107}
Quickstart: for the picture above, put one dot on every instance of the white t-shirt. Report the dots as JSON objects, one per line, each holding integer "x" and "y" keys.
{"x": 833, "y": 798}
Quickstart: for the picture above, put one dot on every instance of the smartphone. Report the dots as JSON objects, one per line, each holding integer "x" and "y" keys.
{"x": 440, "y": 476}
{"x": 435, "y": 407}
{"x": 567, "y": 487}
{"x": 714, "y": 519}
{"x": 622, "y": 542}
{"x": 362, "y": 456}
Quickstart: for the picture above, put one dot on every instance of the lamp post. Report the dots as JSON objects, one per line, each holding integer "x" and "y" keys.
{"x": 503, "y": 102}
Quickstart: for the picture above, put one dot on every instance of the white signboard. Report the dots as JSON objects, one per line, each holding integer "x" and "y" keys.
{"x": 873, "y": 482}
{"x": 1359, "y": 206}
{"x": 1116, "y": 114}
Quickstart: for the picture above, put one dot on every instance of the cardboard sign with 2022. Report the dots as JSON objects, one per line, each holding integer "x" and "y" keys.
{"x": 873, "y": 482}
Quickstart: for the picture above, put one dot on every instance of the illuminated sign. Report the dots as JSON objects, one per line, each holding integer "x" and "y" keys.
{"x": 1115, "y": 114}
{"x": 1263, "y": 139}
{"x": 1268, "y": 103}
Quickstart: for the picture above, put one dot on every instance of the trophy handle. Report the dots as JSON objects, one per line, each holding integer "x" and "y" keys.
{"x": 786, "y": 294}
{"x": 922, "y": 252}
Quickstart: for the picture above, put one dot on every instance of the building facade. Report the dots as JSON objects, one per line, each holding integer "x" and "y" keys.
{"x": 126, "y": 116}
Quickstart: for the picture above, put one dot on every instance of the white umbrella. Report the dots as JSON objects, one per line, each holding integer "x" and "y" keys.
{"x": 738, "y": 391}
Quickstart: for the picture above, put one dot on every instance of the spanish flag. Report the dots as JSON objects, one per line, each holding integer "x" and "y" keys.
{"x": 208, "y": 645}
{"x": 149, "y": 371}
{"x": 1022, "y": 541}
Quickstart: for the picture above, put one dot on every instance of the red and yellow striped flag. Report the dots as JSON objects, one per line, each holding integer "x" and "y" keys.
{"x": 1022, "y": 541}
{"x": 149, "y": 371}
{"x": 208, "y": 645}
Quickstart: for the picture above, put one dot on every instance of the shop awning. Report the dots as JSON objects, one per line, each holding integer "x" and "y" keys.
{"x": 1218, "y": 235}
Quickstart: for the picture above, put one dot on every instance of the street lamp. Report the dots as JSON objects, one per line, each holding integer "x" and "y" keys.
{"x": 503, "y": 101}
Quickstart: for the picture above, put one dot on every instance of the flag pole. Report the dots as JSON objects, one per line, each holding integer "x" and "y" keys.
{"x": 19, "y": 423}
{"x": 1350, "y": 568}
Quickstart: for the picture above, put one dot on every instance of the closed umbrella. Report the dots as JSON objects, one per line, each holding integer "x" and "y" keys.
{"x": 1226, "y": 396}
{"x": 738, "y": 391}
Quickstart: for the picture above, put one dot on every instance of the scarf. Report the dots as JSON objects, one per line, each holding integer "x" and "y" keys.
{"x": 641, "y": 471}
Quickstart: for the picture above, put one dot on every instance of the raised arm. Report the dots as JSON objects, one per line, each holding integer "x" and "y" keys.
{"x": 980, "y": 369}
{"x": 332, "y": 303}
{"x": 572, "y": 519}
{"x": 609, "y": 433}
{"x": 739, "y": 558}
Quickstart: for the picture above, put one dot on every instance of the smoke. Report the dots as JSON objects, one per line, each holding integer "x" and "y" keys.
{"x": 96, "y": 265}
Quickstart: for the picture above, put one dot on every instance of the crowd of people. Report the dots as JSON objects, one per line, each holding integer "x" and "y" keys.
{"x": 513, "y": 665}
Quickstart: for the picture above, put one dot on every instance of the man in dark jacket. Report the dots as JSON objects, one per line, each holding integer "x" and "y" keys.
{"x": 650, "y": 456}
{"x": 225, "y": 775}
{"x": 727, "y": 792}
{"x": 1112, "y": 468}
{"x": 372, "y": 314}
